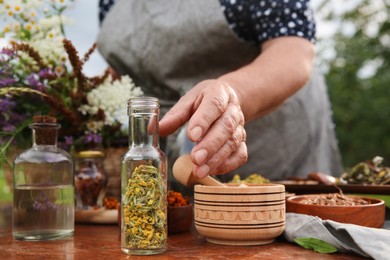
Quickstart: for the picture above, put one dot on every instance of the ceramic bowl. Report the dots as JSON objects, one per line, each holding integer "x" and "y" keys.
{"x": 180, "y": 218}
{"x": 370, "y": 215}
{"x": 235, "y": 215}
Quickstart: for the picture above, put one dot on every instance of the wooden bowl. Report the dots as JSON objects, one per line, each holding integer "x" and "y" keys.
{"x": 370, "y": 215}
{"x": 233, "y": 215}
{"x": 180, "y": 218}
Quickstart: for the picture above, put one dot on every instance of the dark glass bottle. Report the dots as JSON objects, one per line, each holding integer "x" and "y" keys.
{"x": 43, "y": 207}
{"x": 144, "y": 182}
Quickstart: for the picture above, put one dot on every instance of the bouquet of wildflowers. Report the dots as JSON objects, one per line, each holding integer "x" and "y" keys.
{"x": 41, "y": 73}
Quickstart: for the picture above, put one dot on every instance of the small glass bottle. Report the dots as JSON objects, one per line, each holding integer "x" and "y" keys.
{"x": 90, "y": 180}
{"x": 144, "y": 182}
{"x": 43, "y": 206}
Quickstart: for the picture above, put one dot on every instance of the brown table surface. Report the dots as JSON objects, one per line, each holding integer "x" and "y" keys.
{"x": 92, "y": 241}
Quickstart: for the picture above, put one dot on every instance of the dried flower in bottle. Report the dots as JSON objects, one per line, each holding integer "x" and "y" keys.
{"x": 144, "y": 211}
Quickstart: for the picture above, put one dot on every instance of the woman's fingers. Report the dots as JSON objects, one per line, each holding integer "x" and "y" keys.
{"x": 210, "y": 104}
{"x": 235, "y": 160}
{"x": 215, "y": 123}
{"x": 217, "y": 126}
{"x": 178, "y": 115}
{"x": 227, "y": 133}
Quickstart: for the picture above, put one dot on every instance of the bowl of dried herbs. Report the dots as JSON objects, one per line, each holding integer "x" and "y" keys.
{"x": 358, "y": 210}
{"x": 180, "y": 212}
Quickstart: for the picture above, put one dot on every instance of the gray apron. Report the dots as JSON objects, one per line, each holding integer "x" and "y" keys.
{"x": 168, "y": 46}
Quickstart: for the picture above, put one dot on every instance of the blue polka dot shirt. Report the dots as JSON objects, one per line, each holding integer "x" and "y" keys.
{"x": 259, "y": 20}
{"x": 104, "y": 7}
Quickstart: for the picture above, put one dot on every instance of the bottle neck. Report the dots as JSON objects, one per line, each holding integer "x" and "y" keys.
{"x": 143, "y": 122}
{"x": 45, "y": 133}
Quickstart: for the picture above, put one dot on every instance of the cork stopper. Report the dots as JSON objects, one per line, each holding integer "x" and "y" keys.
{"x": 45, "y": 130}
{"x": 44, "y": 119}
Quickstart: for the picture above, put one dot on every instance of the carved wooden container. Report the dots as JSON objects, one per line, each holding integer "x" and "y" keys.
{"x": 234, "y": 215}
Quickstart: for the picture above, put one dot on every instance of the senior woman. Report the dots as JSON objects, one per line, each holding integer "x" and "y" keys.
{"x": 239, "y": 76}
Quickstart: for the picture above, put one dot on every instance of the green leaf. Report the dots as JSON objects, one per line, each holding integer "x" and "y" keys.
{"x": 317, "y": 245}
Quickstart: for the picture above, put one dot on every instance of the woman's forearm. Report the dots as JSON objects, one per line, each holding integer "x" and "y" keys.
{"x": 282, "y": 68}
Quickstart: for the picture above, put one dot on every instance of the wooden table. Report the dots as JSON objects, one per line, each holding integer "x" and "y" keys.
{"x": 103, "y": 242}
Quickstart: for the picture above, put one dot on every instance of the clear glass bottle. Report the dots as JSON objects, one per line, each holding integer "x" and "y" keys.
{"x": 144, "y": 182}
{"x": 43, "y": 206}
{"x": 90, "y": 180}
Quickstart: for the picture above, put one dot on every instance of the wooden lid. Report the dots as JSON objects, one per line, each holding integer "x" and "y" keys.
{"x": 90, "y": 154}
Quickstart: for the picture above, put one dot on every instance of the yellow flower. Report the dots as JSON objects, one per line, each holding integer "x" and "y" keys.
{"x": 28, "y": 27}
{"x": 63, "y": 58}
{"x": 134, "y": 230}
{"x": 59, "y": 70}
{"x": 33, "y": 14}
{"x": 17, "y": 27}
{"x": 17, "y": 9}
{"x": 7, "y": 28}
{"x": 95, "y": 126}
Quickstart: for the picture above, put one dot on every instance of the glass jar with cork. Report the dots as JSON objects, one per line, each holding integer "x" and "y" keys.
{"x": 43, "y": 204}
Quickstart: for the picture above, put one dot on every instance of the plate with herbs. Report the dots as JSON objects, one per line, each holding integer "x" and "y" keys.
{"x": 97, "y": 216}
{"x": 316, "y": 187}
{"x": 108, "y": 214}
{"x": 368, "y": 178}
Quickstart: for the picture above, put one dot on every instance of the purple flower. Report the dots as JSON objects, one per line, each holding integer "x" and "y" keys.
{"x": 7, "y": 52}
{"x": 43, "y": 203}
{"x": 46, "y": 73}
{"x": 7, "y": 81}
{"x": 33, "y": 80}
{"x": 6, "y": 104}
{"x": 93, "y": 138}
{"x": 67, "y": 143}
{"x": 68, "y": 140}
{"x": 8, "y": 128}
{"x": 9, "y": 119}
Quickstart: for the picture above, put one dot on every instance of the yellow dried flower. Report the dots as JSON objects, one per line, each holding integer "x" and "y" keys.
{"x": 146, "y": 212}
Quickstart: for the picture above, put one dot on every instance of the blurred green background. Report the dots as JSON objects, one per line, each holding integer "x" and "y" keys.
{"x": 5, "y": 190}
{"x": 356, "y": 65}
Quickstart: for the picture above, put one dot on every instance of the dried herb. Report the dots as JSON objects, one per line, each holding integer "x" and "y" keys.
{"x": 90, "y": 180}
{"x": 90, "y": 188}
{"x": 144, "y": 209}
{"x": 367, "y": 172}
{"x": 335, "y": 199}
{"x": 315, "y": 244}
{"x": 253, "y": 179}
{"x": 176, "y": 199}
{"x": 110, "y": 203}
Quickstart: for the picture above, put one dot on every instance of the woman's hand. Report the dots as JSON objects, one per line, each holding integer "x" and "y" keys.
{"x": 216, "y": 109}
{"x": 215, "y": 123}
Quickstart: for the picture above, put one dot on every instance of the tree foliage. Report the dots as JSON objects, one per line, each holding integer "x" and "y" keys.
{"x": 358, "y": 77}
